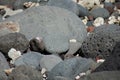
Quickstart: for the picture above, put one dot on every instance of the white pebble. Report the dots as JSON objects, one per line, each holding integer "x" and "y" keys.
{"x": 100, "y": 60}
{"x": 112, "y": 20}
{"x": 98, "y": 22}
{"x": 13, "y": 54}
{"x": 43, "y": 70}
{"x": 73, "y": 40}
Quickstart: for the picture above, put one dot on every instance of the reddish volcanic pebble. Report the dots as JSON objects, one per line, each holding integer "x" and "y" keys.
{"x": 90, "y": 29}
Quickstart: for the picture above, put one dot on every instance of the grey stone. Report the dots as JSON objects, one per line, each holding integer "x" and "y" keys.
{"x": 31, "y": 59}
{"x": 49, "y": 23}
{"x": 71, "y": 67}
{"x": 101, "y": 42}
{"x": 105, "y": 75}
{"x": 13, "y": 40}
{"x": 99, "y": 12}
{"x": 83, "y": 11}
{"x": 25, "y": 72}
{"x": 61, "y": 43}
{"x": 49, "y": 61}
{"x": 3, "y": 62}
{"x": 67, "y": 4}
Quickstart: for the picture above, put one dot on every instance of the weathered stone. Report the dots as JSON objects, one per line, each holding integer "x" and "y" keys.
{"x": 49, "y": 23}
{"x": 97, "y": 45}
{"x": 101, "y": 41}
{"x": 112, "y": 63}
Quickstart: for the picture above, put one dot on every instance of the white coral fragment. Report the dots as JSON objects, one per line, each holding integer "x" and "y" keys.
{"x": 112, "y": 20}
{"x": 100, "y": 60}
{"x": 98, "y": 22}
{"x": 73, "y": 40}
{"x": 30, "y": 4}
{"x": 13, "y": 54}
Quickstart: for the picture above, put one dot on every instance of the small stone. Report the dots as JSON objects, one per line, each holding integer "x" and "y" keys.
{"x": 13, "y": 40}
{"x": 37, "y": 44}
{"x": 13, "y": 54}
{"x": 99, "y": 12}
{"x": 31, "y": 59}
{"x": 98, "y": 21}
{"x": 90, "y": 29}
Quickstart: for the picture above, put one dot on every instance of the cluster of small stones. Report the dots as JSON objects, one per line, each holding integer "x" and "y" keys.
{"x": 13, "y": 54}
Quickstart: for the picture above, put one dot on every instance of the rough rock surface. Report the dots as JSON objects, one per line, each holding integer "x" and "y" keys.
{"x": 49, "y": 23}
{"x": 112, "y": 63}
{"x": 67, "y": 4}
{"x": 13, "y": 40}
{"x": 99, "y": 12}
{"x": 49, "y": 61}
{"x": 97, "y": 45}
{"x": 105, "y": 75}
{"x": 101, "y": 41}
{"x": 71, "y": 67}
{"x": 24, "y": 72}
{"x": 30, "y": 59}
{"x": 110, "y": 30}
